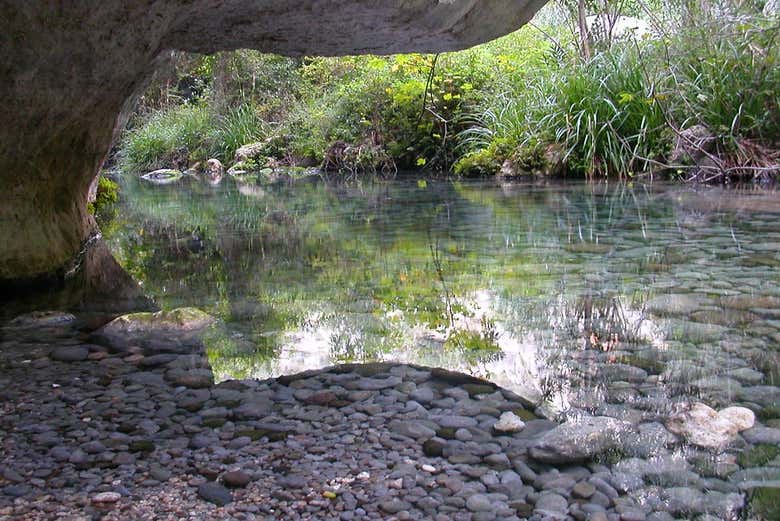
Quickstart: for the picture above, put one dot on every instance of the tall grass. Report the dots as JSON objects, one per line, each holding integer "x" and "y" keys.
{"x": 606, "y": 115}
{"x": 239, "y": 126}
{"x": 169, "y": 138}
{"x": 623, "y": 111}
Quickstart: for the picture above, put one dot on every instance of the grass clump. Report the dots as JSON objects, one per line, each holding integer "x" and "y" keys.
{"x": 168, "y": 139}
{"x": 758, "y": 456}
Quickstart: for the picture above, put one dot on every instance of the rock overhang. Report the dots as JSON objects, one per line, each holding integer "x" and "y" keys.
{"x": 72, "y": 68}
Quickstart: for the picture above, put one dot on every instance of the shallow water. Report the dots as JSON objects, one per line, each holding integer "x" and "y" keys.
{"x": 586, "y": 295}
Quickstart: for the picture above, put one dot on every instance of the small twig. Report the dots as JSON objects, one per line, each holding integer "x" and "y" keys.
{"x": 428, "y": 86}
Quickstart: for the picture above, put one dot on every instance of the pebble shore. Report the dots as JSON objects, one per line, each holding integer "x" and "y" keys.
{"x": 92, "y": 428}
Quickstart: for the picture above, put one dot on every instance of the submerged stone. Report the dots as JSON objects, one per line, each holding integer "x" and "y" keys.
{"x": 669, "y": 305}
{"x": 215, "y": 493}
{"x": 180, "y": 319}
{"x": 701, "y": 425}
{"x": 578, "y": 440}
{"x": 37, "y": 319}
{"x": 508, "y": 423}
{"x": 69, "y": 354}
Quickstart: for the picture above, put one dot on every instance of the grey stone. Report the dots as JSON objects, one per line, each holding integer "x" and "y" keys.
{"x": 761, "y": 434}
{"x": 553, "y": 505}
{"x": 236, "y": 479}
{"x": 215, "y": 493}
{"x": 479, "y": 503}
{"x": 253, "y": 410}
{"x": 393, "y": 506}
{"x": 577, "y": 440}
{"x": 69, "y": 354}
{"x": 412, "y": 429}
{"x": 456, "y": 422}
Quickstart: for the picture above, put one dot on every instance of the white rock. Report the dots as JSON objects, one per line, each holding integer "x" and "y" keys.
{"x": 106, "y": 497}
{"x": 509, "y": 423}
{"x": 742, "y": 417}
{"x": 703, "y": 426}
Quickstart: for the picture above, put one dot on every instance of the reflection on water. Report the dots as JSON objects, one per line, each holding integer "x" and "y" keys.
{"x": 540, "y": 288}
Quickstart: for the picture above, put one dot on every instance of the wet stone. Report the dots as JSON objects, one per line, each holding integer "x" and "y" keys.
{"x": 583, "y": 490}
{"x": 236, "y": 479}
{"x": 479, "y": 503}
{"x": 215, "y": 493}
{"x": 394, "y": 506}
{"x": 69, "y": 354}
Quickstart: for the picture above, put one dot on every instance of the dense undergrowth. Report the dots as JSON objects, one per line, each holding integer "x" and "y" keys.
{"x": 696, "y": 97}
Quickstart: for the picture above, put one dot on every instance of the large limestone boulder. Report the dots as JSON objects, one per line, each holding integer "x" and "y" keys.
{"x": 71, "y": 68}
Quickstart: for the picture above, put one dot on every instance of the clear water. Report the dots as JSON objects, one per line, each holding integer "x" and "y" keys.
{"x": 529, "y": 285}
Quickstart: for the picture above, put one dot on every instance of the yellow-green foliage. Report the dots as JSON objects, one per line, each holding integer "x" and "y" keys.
{"x": 107, "y": 194}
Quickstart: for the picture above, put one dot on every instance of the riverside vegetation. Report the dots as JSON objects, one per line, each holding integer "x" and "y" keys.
{"x": 692, "y": 93}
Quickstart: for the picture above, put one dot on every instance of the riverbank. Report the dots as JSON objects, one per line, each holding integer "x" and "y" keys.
{"x": 542, "y": 102}
{"x": 129, "y": 429}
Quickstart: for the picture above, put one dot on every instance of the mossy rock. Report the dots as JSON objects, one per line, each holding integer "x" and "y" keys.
{"x": 433, "y": 448}
{"x": 447, "y": 433}
{"x": 525, "y": 414}
{"x": 764, "y": 504}
{"x": 757, "y": 261}
{"x": 476, "y": 389}
{"x": 655, "y": 267}
{"x": 758, "y": 456}
{"x": 253, "y": 434}
{"x": 142, "y": 446}
{"x": 648, "y": 364}
{"x": 769, "y": 413}
{"x": 180, "y": 319}
{"x": 750, "y": 302}
{"x": 214, "y": 423}
{"x": 277, "y": 435}
{"x": 729, "y": 318}
{"x": 588, "y": 247}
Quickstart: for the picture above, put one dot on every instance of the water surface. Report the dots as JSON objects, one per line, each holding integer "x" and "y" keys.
{"x": 566, "y": 291}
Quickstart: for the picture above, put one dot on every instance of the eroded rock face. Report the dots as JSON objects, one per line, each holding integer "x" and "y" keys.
{"x": 70, "y": 68}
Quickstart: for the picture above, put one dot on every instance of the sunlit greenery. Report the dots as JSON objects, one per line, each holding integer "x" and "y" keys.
{"x": 541, "y": 101}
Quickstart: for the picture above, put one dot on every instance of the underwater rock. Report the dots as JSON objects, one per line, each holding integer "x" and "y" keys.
{"x": 578, "y": 440}
{"x": 508, "y": 423}
{"x": 705, "y": 427}
{"x": 180, "y": 319}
